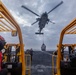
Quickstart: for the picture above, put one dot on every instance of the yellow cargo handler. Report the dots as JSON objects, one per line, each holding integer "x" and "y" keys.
{"x": 14, "y": 62}
{"x": 66, "y": 53}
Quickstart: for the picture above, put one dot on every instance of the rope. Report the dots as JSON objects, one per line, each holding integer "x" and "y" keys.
{"x": 43, "y": 38}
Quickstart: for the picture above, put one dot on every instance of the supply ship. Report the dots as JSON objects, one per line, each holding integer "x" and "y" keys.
{"x": 59, "y": 62}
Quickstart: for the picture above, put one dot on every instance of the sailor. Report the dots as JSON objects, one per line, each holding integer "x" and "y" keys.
{"x": 43, "y": 47}
{"x": 0, "y": 60}
{"x": 2, "y": 43}
{"x": 31, "y": 53}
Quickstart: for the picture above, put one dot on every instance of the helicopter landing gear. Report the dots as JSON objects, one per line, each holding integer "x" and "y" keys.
{"x": 39, "y": 33}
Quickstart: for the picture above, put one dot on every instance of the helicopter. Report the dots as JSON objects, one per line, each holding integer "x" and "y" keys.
{"x": 43, "y": 19}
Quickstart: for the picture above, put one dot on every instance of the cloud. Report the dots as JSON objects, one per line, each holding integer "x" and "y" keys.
{"x": 62, "y": 16}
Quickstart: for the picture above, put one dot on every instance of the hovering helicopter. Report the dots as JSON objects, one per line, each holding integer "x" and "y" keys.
{"x": 43, "y": 19}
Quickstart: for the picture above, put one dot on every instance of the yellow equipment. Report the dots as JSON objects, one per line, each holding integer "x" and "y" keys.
{"x": 66, "y": 54}
{"x": 28, "y": 64}
{"x": 13, "y": 61}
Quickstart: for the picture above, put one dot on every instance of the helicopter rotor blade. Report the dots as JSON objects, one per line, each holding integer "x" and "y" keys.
{"x": 52, "y": 22}
{"x": 56, "y": 7}
{"x": 34, "y": 22}
{"x": 29, "y": 10}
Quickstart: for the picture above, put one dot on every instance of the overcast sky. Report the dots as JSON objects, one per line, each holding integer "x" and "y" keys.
{"x": 62, "y": 16}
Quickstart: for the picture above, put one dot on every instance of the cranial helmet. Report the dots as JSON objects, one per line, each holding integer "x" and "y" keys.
{"x": 2, "y": 42}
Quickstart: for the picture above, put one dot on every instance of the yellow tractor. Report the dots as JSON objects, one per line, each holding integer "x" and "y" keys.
{"x": 66, "y": 53}
{"x": 14, "y": 56}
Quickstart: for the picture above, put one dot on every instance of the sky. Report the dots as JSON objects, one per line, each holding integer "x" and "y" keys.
{"x": 62, "y": 16}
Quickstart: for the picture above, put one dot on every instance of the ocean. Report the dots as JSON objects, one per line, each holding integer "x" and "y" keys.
{"x": 41, "y": 63}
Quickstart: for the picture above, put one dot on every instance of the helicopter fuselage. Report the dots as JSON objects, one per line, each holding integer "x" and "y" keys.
{"x": 43, "y": 21}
